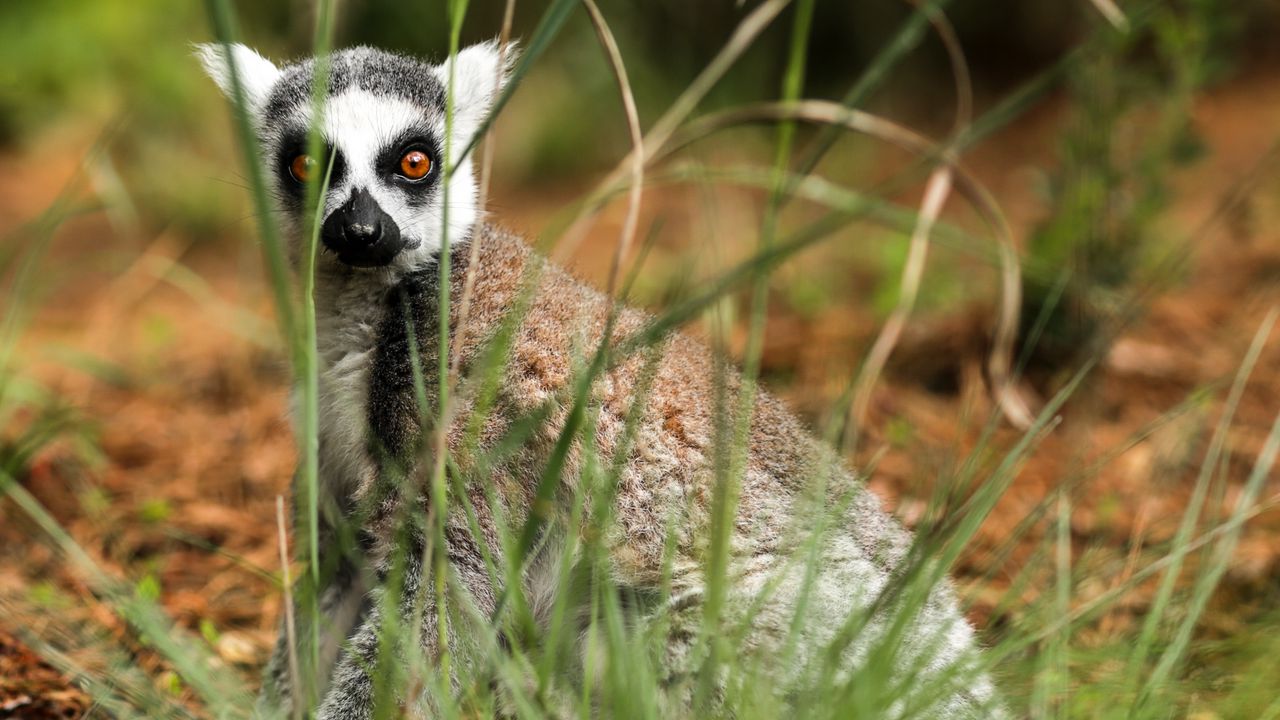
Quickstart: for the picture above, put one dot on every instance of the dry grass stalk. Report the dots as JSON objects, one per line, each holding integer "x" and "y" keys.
{"x": 289, "y": 625}
{"x": 637, "y": 142}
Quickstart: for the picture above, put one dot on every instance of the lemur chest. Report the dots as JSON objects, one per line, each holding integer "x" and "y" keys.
{"x": 347, "y": 324}
{"x": 369, "y": 413}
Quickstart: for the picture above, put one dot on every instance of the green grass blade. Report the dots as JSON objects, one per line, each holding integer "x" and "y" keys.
{"x": 1220, "y": 560}
{"x": 222, "y": 18}
{"x": 1160, "y": 603}
{"x": 219, "y": 689}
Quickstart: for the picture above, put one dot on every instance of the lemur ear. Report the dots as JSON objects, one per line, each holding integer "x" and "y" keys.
{"x": 479, "y": 76}
{"x": 257, "y": 74}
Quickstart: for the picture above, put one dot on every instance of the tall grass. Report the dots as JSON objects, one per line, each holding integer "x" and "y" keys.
{"x": 504, "y": 662}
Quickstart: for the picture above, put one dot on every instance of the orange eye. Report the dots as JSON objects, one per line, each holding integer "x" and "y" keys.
{"x": 302, "y": 167}
{"x": 415, "y": 165}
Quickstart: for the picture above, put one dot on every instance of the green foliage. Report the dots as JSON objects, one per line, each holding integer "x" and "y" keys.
{"x": 86, "y": 63}
{"x": 943, "y": 287}
{"x": 79, "y": 56}
{"x": 154, "y": 511}
{"x": 49, "y": 596}
{"x": 1129, "y": 132}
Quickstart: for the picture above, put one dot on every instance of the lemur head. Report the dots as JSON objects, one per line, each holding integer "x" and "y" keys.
{"x": 383, "y": 125}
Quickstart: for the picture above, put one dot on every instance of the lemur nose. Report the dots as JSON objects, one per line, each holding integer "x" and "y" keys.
{"x": 361, "y": 219}
{"x": 365, "y": 233}
{"x": 361, "y": 232}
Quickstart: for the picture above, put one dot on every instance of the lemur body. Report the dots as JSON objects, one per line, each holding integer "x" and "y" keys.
{"x": 377, "y": 293}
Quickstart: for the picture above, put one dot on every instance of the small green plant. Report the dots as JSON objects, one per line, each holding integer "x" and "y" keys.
{"x": 1102, "y": 248}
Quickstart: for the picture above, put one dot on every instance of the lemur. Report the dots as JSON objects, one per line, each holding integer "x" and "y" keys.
{"x": 376, "y": 299}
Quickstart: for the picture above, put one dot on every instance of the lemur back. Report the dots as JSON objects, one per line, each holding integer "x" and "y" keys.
{"x": 378, "y": 320}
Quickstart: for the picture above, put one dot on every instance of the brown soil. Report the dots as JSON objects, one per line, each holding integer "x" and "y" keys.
{"x": 31, "y": 688}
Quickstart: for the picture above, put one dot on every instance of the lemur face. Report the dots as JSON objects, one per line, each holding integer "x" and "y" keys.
{"x": 383, "y": 127}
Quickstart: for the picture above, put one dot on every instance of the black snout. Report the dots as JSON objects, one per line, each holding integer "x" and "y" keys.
{"x": 362, "y": 233}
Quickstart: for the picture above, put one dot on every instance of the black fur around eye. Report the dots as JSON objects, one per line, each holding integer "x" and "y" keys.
{"x": 413, "y": 161}
{"x": 297, "y": 167}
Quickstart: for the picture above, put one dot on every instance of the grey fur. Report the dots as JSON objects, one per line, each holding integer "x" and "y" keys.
{"x": 370, "y": 424}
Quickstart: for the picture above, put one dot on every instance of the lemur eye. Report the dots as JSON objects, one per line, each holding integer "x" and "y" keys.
{"x": 302, "y": 168}
{"x": 415, "y": 165}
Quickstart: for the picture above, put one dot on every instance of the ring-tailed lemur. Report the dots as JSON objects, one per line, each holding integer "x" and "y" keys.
{"x": 376, "y": 294}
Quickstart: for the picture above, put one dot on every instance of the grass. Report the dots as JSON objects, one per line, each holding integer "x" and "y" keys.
{"x": 505, "y": 660}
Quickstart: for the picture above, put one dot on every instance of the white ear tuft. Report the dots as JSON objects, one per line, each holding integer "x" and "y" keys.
{"x": 257, "y": 74}
{"x": 479, "y": 76}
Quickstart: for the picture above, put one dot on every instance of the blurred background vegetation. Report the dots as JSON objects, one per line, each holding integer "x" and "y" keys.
{"x": 126, "y": 64}
{"x": 83, "y": 62}
{"x": 1141, "y": 143}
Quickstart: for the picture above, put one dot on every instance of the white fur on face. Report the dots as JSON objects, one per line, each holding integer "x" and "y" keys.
{"x": 361, "y": 126}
